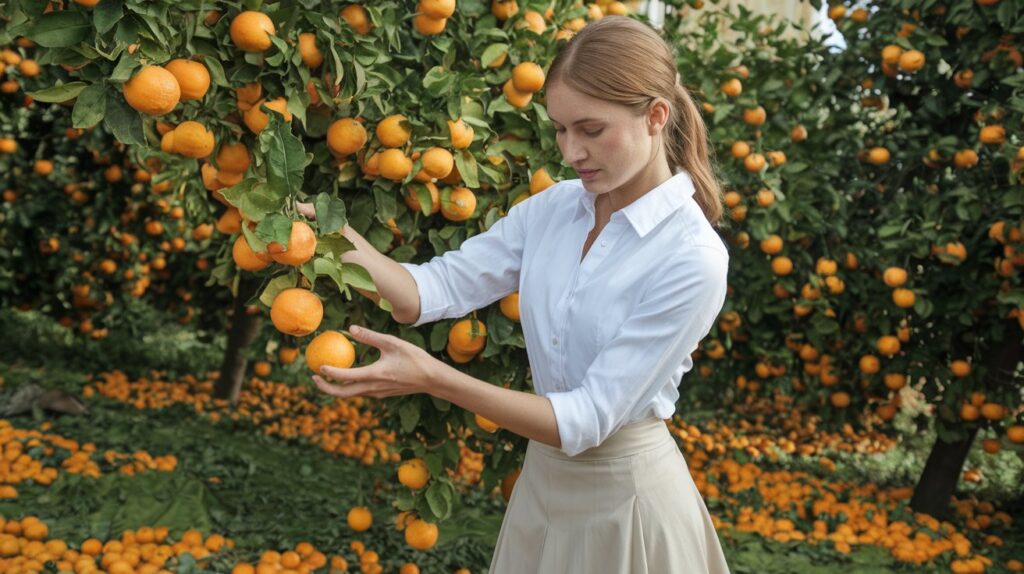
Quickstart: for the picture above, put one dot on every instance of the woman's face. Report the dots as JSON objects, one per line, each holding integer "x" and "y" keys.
{"x": 604, "y": 142}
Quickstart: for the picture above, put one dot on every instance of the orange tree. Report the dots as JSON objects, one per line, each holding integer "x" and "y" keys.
{"x": 418, "y": 124}
{"x": 875, "y": 208}
{"x": 86, "y": 229}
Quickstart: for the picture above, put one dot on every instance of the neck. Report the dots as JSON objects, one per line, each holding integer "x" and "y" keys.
{"x": 655, "y": 173}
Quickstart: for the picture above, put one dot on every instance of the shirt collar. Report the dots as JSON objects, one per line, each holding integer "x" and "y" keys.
{"x": 651, "y": 208}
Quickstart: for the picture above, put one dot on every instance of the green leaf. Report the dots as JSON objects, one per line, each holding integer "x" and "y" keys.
{"x": 331, "y": 268}
{"x": 492, "y": 53}
{"x": 410, "y": 415}
{"x": 286, "y": 157}
{"x": 333, "y": 244}
{"x": 123, "y": 121}
{"x": 330, "y": 214}
{"x": 90, "y": 107}
{"x": 275, "y": 227}
{"x": 275, "y": 286}
{"x": 107, "y": 15}
{"x": 440, "y": 505}
{"x": 466, "y": 163}
{"x": 57, "y": 94}
{"x": 60, "y": 29}
{"x": 437, "y": 81}
{"x": 358, "y": 277}
{"x": 259, "y": 202}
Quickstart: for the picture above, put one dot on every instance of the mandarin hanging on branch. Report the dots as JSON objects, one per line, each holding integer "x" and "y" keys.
{"x": 193, "y": 78}
{"x": 251, "y": 31}
{"x": 296, "y": 311}
{"x": 152, "y": 90}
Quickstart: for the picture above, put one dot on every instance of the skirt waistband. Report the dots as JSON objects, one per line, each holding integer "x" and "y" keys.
{"x": 630, "y": 439}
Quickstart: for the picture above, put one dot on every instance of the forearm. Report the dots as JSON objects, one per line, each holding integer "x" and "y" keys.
{"x": 393, "y": 282}
{"x": 525, "y": 414}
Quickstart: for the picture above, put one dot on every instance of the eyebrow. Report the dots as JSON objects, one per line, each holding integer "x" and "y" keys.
{"x": 584, "y": 120}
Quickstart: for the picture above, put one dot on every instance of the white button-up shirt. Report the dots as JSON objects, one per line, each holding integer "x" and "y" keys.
{"x": 608, "y": 339}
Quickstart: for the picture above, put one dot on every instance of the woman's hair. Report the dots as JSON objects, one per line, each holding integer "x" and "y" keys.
{"x": 622, "y": 60}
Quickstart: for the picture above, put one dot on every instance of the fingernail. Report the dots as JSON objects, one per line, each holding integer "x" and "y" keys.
{"x": 354, "y": 330}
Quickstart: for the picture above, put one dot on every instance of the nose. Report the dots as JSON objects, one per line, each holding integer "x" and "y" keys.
{"x": 573, "y": 150}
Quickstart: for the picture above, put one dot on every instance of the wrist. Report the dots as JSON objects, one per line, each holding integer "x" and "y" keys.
{"x": 439, "y": 379}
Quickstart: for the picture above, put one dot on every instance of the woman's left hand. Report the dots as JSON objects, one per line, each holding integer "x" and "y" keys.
{"x": 403, "y": 369}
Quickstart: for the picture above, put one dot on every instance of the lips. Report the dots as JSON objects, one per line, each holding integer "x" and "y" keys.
{"x": 584, "y": 173}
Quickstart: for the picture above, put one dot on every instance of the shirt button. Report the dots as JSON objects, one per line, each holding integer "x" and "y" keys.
{"x": 603, "y": 243}
{"x": 554, "y": 341}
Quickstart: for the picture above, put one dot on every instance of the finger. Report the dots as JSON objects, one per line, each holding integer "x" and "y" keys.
{"x": 341, "y": 391}
{"x": 356, "y": 375}
{"x": 370, "y": 337}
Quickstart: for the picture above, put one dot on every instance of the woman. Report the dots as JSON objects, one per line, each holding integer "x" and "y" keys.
{"x": 620, "y": 274}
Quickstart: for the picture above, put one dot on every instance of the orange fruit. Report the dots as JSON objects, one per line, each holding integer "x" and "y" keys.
{"x": 993, "y": 135}
{"x": 991, "y": 445}
{"x": 509, "y": 306}
{"x": 911, "y": 61}
{"x": 462, "y": 338}
{"x": 894, "y": 276}
{"x": 261, "y": 368}
{"x": 190, "y": 139}
{"x": 412, "y": 198}
{"x": 245, "y": 258}
{"x": 413, "y": 473}
{"x": 888, "y": 345}
{"x": 485, "y": 424}
{"x": 287, "y": 355}
{"x": 42, "y": 167}
{"x": 740, "y": 149}
{"x": 310, "y": 53}
{"x": 193, "y": 78}
{"x": 233, "y": 158}
{"x": 965, "y": 158}
{"x": 356, "y": 17}
{"x": 301, "y": 246}
{"x": 754, "y": 162}
{"x": 330, "y": 348}
{"x": 509, "y": 482}
{"x": 755, "y": 116}
{"x": 255, "y": 119}
{"x": 248, "y": 95}
{"x": 460, "y": 205}
{"x": 969, "y": 412}
{"x": 1016, "y": 434}
{"x": 296, "y": 311}
{"x": 798, "y": 133}
{"x": 230, "y": 222}
{"x": 903, "y": 298}
{"x": 360, "y": 518}
{"x": 960, "y": 368}
{"x": 29, "y": 68}
{"x": 891, "y": 54}
{"x": 732, "y": 87}
{"x": 527, "y": 77}
{"x": 539, "y": 181}
{"x": 420, "y": 534}
{"x": 429, "y": 26}
{"x": 152, "y": 90}
{"x": 993, "y": 411}
{"x": 461, "y": 134}
{"x": 437, "y": 8}
{"x": 346, "y": 136}
{"x": 409, "y": 568}
{"x": 251, "y": 31}
{"x": 772, "y": 245}
{"x": 782, "y": 265}
{"x": 878, "y": 156}
{"x": 895, "y": 381}
{"x": 394, "y": 130}
{"x": 504, "y": 9}
{"x": 394, "y": 164}
{"x": 516, "y": 98}
{"x": 840, "y": 399}
{"x": 437, "y": 162}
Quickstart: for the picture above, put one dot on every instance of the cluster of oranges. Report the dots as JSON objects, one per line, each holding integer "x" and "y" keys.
{"x": 38, "y": 456}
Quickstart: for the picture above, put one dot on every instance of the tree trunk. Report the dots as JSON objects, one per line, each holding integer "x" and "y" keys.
{"x": 942, "y": 471}
{"x": 243, "y": 331}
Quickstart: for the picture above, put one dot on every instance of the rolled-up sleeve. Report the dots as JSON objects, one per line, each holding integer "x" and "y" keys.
{"x": 482, "y": 270}
{"x": 674, "y": 315}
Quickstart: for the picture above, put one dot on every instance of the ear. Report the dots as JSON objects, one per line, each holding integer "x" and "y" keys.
{"x": 658, "y": 115}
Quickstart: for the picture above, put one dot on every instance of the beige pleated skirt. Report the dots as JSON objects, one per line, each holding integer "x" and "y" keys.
{"x": 627, "y": 506}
